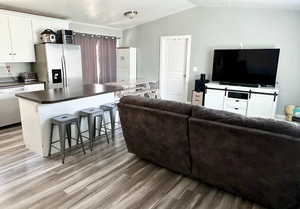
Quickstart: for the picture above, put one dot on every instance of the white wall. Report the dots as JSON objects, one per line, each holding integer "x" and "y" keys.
{"x": 15, "y": 69}
{"x": 225, "y": 28}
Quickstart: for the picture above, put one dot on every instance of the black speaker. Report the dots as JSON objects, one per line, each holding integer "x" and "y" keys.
{"x": 200, "y": 83}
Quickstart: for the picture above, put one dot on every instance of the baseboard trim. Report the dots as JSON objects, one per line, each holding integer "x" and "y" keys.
{"x": 280, "y": 117}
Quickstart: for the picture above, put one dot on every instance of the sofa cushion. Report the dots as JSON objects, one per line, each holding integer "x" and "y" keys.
{"x": 275, "y": 126}
{"x": 258, "y": 165}
{"x": 157, "y": 135}
{"x": 171, "y": 106}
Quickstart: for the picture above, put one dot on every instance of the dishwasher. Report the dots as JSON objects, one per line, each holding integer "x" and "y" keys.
{"x": 9, "y": 106}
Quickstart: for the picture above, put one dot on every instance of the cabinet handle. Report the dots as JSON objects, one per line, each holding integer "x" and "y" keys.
{"x": 14, "y": 53}
{"x": 10, "y": 54}
{"x": 236, "y": 108}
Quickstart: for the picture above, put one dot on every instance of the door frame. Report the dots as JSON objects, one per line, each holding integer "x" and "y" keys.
{"x": 163, "y": 39}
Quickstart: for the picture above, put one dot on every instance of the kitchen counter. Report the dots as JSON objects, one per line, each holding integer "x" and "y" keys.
{"x": 65, "y": 94}
{"x": 16, "y": 84}
{"x": 39, "y": 107}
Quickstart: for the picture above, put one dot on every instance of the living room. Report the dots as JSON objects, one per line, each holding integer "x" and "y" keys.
{"x": 183, "y": 104}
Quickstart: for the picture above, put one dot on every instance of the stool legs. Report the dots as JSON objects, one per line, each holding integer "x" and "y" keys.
{"x": 91, "y": 125}
{"x": 51, "y": 136}
{"x": 102, "y": 120}
{"x": 69, "y": 135}
{"x": 105, "y": 128}
{"x": 79, "y": 136}
{"x": 62, "y": 136}
{"x": 112, "y": 114}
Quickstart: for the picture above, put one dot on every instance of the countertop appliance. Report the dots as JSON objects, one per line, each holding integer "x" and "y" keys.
{"x": 28, "y": 77}
{"x": 65, "y": 37}
{"x": 48, "y": 36}
{"x": 58, "y": 65}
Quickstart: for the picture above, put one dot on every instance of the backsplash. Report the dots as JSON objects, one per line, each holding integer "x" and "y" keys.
{"x": 15, "y": 69}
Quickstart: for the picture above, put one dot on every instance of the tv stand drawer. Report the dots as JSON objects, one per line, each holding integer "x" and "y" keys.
{"x": 238, "y": 110}
{"x": 236, "y": 103}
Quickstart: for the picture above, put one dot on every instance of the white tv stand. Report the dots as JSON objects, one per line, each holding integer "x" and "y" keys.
{"x": 248, "y": 101}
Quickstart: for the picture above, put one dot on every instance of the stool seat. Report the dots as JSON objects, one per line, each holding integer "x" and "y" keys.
{"x": 65, "y": 118}
{"x": 92, "y": 114}
{"x": 111, "y": 108}
{"x": 64, "y": 123}
{"x": 108, "y": 107}
{"x": 92, "y": 110}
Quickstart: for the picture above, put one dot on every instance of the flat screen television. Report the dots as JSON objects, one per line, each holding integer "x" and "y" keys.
{"x": 246, "y": 66}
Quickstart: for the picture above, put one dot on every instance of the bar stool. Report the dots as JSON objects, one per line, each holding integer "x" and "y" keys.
{"x": 92, "y": 114}
{"x": 64, "y": 123}
{"x": 111, "y": 108}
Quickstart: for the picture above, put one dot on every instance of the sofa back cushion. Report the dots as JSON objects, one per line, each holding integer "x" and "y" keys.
{"x": 158, "y": 104}
{"x": 157, "y": 132}
{"x": 258, "y": 165}
{"x": 274, "y": 126}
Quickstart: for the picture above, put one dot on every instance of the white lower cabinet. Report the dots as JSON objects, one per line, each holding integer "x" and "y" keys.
{"x": 214, "y": 99}
{"x": 9, "y": 107}
{"x": 261, "y": 105}
{"x": 252, "y": 102}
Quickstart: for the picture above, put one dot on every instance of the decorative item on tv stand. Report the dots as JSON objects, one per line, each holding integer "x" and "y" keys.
{"x": 296, "y": 116}
{"x": 292, "y": 113}
{"x": 198, "y": 93}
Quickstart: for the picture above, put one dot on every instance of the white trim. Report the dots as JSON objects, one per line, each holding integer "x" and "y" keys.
{"x": 97, "y": 26}
{"x": 280, "y": 117}
{"x": 188, "y": 60}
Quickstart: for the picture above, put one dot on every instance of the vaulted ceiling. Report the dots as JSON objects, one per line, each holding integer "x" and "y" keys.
{"x": 110, "y": 12}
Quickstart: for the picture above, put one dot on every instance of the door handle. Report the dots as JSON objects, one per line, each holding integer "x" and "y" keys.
{"x": 65, "y": 69}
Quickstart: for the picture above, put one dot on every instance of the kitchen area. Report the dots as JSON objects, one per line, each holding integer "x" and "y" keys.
{"x": 43, "y": 75}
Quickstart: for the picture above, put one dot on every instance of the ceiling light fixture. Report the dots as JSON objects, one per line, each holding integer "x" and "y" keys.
{"x": 131, "y": 14}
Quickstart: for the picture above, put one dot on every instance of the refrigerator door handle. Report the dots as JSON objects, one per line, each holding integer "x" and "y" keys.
{"x": 65, "y": 69}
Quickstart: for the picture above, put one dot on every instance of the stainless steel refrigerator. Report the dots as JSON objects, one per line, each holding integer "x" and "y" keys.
{"x": 58, "y": 65}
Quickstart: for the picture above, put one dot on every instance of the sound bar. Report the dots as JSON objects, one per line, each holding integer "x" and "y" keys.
{"x": 239, "y": 84}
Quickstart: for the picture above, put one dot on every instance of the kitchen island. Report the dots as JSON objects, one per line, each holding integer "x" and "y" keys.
{"x": 37, "y": 108}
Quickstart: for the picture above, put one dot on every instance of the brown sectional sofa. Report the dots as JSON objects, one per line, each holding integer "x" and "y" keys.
{"x": 258, "y": 159}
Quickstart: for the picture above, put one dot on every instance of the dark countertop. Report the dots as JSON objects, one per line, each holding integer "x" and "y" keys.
{"x": 16, "y": 84}
{"x": 64, "y": 94}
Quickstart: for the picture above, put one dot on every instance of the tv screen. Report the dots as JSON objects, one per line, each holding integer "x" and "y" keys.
{"x": 246, "y": 66}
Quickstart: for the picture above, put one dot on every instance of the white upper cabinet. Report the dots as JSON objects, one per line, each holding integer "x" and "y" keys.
{"x": 21, "y": 39}
{"x": 19, "y": 32}
{"x": 16, "y": 39}
{"x": 5, "y": 47}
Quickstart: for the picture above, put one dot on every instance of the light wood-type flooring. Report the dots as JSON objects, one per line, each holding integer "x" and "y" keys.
{"x": 108, "y": 177}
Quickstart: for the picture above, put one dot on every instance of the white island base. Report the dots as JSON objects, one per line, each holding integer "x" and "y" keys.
{"x": 36, "y": 119}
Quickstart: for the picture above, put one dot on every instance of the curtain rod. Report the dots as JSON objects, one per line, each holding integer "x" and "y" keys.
{"x": 97, "y": 35}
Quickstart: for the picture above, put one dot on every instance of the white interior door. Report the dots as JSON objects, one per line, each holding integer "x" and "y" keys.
{"x": 174, "y": 67}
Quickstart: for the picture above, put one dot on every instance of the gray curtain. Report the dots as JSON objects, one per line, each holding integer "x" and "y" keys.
{"x": 89, "y": 57}
{"x": 107, "y": 59}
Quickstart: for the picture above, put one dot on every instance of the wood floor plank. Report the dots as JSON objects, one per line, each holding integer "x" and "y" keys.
{"x": 107, "y": 178}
